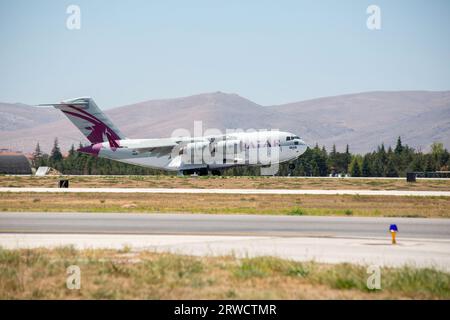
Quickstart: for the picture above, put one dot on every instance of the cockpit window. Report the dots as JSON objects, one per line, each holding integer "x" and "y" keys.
{"x": 296, "y": 137}
{"x": 288, "y": 138}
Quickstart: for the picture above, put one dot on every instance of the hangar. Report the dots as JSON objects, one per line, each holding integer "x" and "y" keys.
{"x": 14, "y": 163}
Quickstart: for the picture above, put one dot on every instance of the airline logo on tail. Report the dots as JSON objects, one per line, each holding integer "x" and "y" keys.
{"x": 100, "y": 132}
{"x": 91, "y": 121}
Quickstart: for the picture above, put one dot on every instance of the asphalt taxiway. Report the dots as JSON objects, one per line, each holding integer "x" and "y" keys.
{"x": 220, "y": 224}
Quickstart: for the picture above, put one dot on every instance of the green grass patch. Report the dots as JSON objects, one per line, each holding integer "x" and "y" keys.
{"x": 297, "y": 212}
{"x": 348, "y": 212}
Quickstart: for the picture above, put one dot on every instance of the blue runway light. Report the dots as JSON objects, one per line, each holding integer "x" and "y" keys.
{"x": 393, "y": 227}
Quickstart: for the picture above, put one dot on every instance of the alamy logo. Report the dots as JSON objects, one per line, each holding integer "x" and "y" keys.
{"x": 374, "y": 280}
{"x": 258, "y": 148}
{"x": 73, "y": 281}
{"x": 73, "y": 21}
{"x": 374, "y": 20}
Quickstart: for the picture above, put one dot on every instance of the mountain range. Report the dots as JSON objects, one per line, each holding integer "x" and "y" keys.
{"x": 362, "y": 120}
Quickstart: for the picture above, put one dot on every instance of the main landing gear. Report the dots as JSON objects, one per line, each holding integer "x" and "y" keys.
{"x": 201, "y": 172}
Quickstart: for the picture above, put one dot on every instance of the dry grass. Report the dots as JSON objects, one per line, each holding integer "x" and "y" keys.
{"x": 338, "y": 205}
{"x": 41, "y": 274}
{"x": 225, "y": 182}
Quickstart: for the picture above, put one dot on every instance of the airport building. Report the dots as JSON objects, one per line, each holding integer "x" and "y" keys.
{"x": 14, "y": 163}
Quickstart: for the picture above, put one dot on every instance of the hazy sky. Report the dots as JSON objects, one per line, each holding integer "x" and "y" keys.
{"x": 268, "y": 51}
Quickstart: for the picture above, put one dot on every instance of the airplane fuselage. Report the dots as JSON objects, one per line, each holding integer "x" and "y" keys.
{"x": 262, "y": 148}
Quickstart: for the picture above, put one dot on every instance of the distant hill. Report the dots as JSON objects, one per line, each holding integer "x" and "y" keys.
{"x": 20, "y": 116}
{"x": 419, "y": 117}
{"x": 362, "y": 120}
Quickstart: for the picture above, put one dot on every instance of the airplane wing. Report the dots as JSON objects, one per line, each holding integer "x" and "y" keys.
{"x": 159, "y": 149}
{"x": 160, "y": 145}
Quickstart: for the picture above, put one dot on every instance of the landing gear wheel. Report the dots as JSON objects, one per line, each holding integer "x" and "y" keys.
{"x": 291, "y": 168}
{"x": 216, "y": 172}
{"x": 198, "y": 172}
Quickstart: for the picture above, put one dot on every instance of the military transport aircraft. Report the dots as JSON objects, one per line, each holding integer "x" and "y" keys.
{"x": 187, "y": 155}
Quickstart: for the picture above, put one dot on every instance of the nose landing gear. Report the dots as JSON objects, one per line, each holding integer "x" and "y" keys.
{"x": 291, "y": 168}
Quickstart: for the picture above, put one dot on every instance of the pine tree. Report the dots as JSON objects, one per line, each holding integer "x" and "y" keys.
{"x": 365, "y": 170}
{"x": 37, "y": 156}
{"x": 429, "y": 164}
{"x": 354, "y": 169}
{"x": 417, "y": 164}
{"x": 347, "y": 158}
{"x": 390, "y": 169}
{"x": 69, "y": 163}
{"x": 72, "y": 151}
{"x": 399, "y": 147}
{"x": 333, "y": 151}
{"x": 56, "y": 155}
{"x": 382, "y": 154}
{"x": 320, "y": 159}
{"x": 378, "y": 167}
{"x": 438, "y": 154}
{"x": 315, "y": 170}
{"x": 56, "y": 159}
{"x": 331, "y": 160}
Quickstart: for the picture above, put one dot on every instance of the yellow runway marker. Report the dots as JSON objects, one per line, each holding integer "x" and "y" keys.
{"x": 393, "y": 228}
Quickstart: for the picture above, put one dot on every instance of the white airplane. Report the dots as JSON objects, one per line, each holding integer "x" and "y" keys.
{"x": 187, "y": 155}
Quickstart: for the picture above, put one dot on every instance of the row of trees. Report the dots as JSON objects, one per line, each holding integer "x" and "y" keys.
{"x": 314, "y": 162}
{"x": 380, "y": 163}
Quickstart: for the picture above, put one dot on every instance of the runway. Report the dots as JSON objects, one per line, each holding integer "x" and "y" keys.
{"x": 413, "y": 193}
{"x": 421, "y": 242}
{"x": 230, "y": 225}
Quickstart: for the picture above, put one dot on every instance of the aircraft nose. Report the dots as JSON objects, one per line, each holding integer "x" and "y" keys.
{"x": 302, "y": 147}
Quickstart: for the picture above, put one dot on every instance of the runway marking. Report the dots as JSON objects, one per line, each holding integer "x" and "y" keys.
{"x": 414, "y": 193}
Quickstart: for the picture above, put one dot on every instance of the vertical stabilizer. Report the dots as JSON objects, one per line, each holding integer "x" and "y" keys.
{"x": 90, "y": 120}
